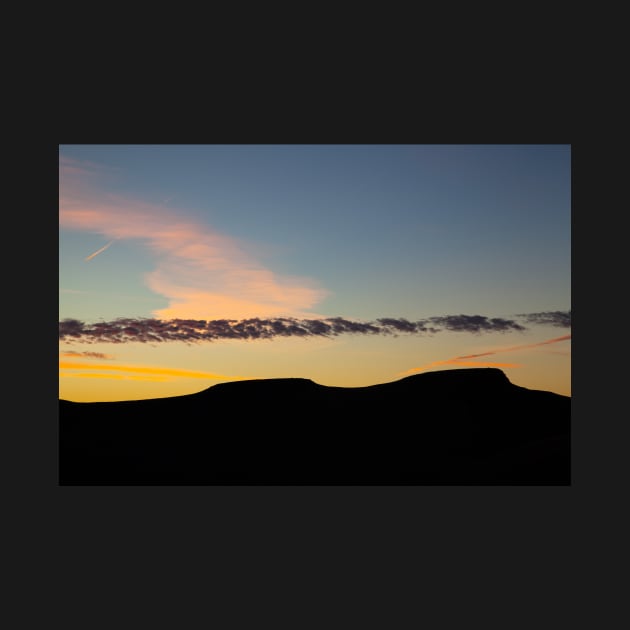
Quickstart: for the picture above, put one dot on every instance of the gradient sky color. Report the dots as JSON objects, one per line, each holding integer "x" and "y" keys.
{"x": 360, "y": 232}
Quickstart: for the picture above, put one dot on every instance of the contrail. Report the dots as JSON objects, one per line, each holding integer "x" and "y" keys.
{"x": 461, "y": 360}
{"x": 96, "y": 253}
{"x": 529, "y": 345}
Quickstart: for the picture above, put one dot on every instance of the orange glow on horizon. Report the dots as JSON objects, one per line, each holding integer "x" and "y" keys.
{"x": 463, "y": 363}
{"x": 462, "y": 359}
{"x": 521, "y": 347}
{"x": 149, "y": 372}
{"x": 118, "y": 377}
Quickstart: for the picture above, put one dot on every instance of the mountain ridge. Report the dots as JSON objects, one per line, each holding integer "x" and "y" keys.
{"x": 454, "y": 427}
{"x": 488, "y": 375}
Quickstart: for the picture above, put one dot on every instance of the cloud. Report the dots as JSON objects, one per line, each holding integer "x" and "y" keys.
{"x": 464, "y": 360}
{"x": 124, "y": 330}
{"x": 89, "y": 355}
{"x": 202, "y": 272}
{"x": 475, "y": 323}
{"x": 562, "y": 319}
{"x": 150, "y": 373}
{"x": 116, "y": 377}
{"x": 514, "y": 348}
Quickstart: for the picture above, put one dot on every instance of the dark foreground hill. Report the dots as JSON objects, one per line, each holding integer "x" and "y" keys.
{"x": 455, "y": 427}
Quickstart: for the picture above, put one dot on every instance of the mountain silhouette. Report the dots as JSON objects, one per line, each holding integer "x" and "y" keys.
{"x": 451, "y": 427}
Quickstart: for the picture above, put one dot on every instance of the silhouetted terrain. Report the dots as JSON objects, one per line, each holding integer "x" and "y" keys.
{"x": 455, "y": 427}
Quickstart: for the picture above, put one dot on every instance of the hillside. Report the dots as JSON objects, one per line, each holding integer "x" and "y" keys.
{"x": 454, "y": 427}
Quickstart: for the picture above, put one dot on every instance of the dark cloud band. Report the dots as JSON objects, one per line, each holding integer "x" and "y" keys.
{"x": 561, "y": 319}
{"x": 89, "y": 355}
{"x": 125, "y": 330}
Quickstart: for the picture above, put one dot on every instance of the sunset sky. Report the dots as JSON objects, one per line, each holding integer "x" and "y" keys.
{"x": 184, "y": 266}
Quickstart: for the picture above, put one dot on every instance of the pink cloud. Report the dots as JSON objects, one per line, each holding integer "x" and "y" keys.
{"x": 204, "y": 274}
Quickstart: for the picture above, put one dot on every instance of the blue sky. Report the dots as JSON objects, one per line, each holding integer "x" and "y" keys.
{"x": 355, "y": 231}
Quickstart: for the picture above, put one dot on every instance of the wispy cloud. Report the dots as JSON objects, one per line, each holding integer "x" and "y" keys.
{"x": 515, "y": 348}
{"x": 116, "y": 377}
{"x": 150, "y": 373}
{"x": 124, "y": 330}
{"x": 87, "y": 355}
{"x": 561, "y": 319}
{"x": 202, "y": 272}
{"x": 464, "y": 360}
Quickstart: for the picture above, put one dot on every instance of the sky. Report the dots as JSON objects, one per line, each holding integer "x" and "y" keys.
{"x": 185, "y": 266}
